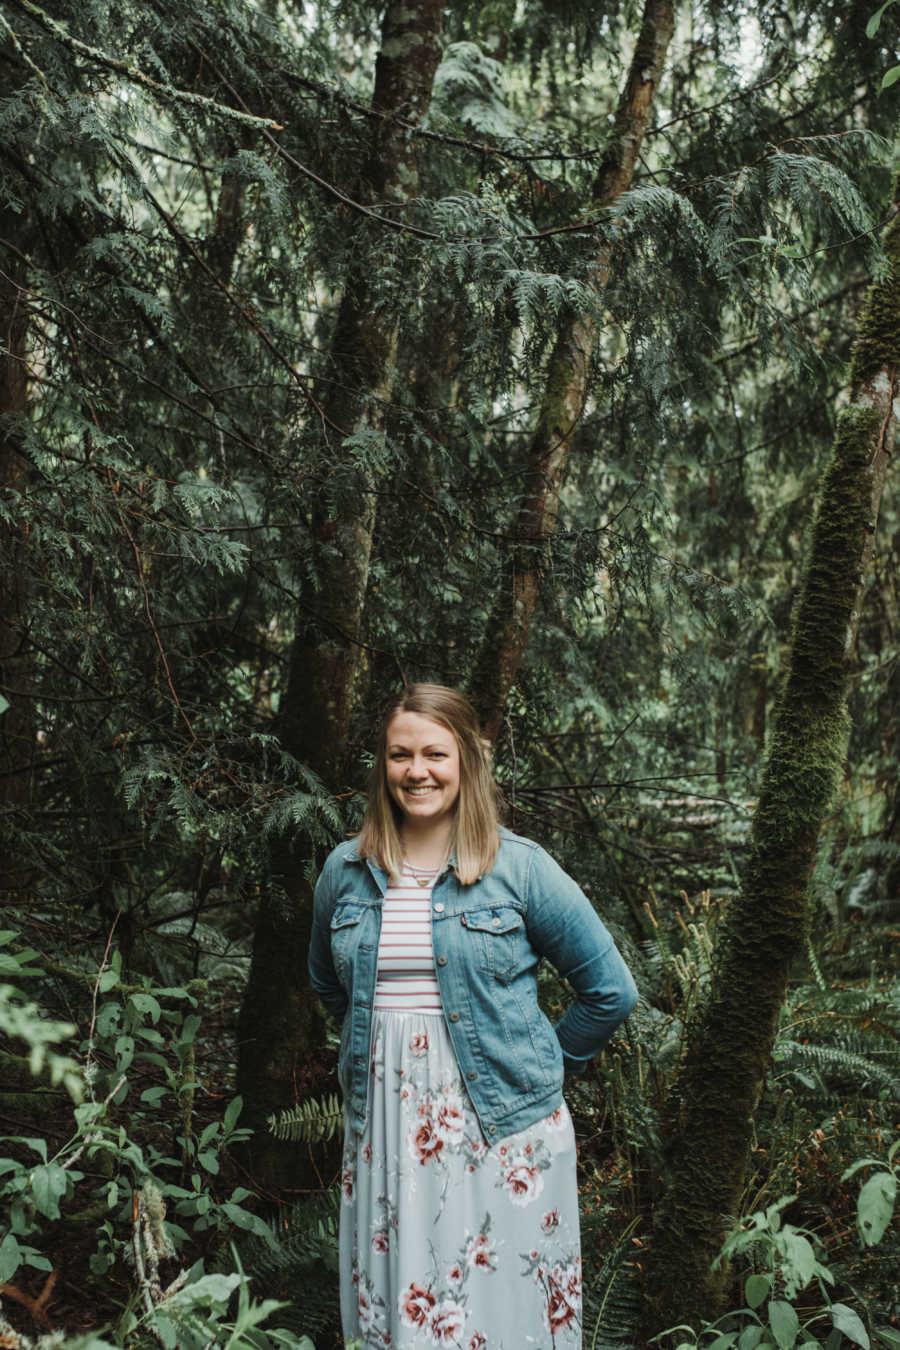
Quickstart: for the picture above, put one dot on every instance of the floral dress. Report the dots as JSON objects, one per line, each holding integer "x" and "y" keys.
{"x": 446, "y": 1241}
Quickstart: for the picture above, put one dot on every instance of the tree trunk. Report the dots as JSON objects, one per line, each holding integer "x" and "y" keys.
{"x": 17, "y": 729}
{"x": 565, "y": 393}
{"x": 278, "y": 1019}
{"x": 718, "y": 1088}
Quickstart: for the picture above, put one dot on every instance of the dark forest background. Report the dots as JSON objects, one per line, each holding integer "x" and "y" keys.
{"x": 544, "y": 349}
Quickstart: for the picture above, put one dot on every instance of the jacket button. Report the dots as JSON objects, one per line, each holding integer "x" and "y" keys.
{"x": 454, "y": 1017}
{"x": 439, "y": 908}
{"x": 492, "y": 1129}
{"x": 472, "y": 1076}
{"x": 495, "y": 922}
{"x": 442, "y": 960}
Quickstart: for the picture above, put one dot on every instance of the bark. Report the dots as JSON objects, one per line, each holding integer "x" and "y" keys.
{"x": 718, "y": 1088}
{"x": 278, "y": 1018}
{"x": 565, "y": 393}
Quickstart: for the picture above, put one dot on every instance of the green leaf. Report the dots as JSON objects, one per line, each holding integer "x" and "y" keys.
{"x": 108, "y": 980}
{"x": 890, "y": 77}
{"x": 232, "y": 1111}
{"x": 10, "y": 1258}
{"x": 724, "y": 1341}
{"x": 165, "y": 1330}
{"x": 874, "y": 23}
{"x": 888, "y": 1336}
{"x": 146, "y": 1003}
{"x": 154, "y": 1095}
{"x": 875, "y": 1206}
{"x": 244, "y": 1219}
{"x": 799, "y": 1260}
{"x": 208, "y": 1289}
{"x": 849, "y": 1324}
{"x": 4, "y": 704}
{"x": 209, "y": 1161}
{"x": 784, "y": 1322}
{"x": 48, "y": 1185}
{"x": 750, "y": 1337}
{"x": 757, "y": 1289}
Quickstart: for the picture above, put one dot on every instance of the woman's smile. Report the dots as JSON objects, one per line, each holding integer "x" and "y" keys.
{"x": 422, "y": 767}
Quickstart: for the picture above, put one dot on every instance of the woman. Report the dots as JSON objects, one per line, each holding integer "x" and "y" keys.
{"x": 460, "y": 1221}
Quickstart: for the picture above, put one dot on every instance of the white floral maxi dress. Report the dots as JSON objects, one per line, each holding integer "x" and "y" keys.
{"x": 446, "y": 1241}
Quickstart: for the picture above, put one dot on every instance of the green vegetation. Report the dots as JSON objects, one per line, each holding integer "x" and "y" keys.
{"x": 547, "y": 349}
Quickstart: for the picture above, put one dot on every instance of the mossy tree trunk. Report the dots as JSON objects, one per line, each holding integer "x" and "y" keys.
{"x": 718, "y": 1088}
{"x": 278, "y": 1019}
{"x": 565, "y": 392}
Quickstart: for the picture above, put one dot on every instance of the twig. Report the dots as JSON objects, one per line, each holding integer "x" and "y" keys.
{"x": 89, "y": 1055}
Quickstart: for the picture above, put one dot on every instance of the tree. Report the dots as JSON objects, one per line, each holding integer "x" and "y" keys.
{"x": 278, "y": 1023}
{"x": 719, "y": 1085}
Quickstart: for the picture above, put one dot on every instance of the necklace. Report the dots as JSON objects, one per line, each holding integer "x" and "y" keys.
{"x": 423, "y": 876}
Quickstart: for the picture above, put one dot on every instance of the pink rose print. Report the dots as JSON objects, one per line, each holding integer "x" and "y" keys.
{"x": 380, "y": 1241}
{"x": 367, "y": 1153}
{"x": 347, "y": 1179}
{"x": 556, "y": 1120}
{"x": 523, "y": 1182}
{"x": 446, "y": 1323}
{"x": 419, "y": 1044}
{"x": 476, "y": 1341}
{"x": 425, "y": 1142}
{"x": 366, "y": 1311}
{"x": 479, "y": 1254}
{"x": 454, "y": 1275}
{"x": 449, "y": 1120}
{"x": 550, "y": 1221}
{"x": 416, "y": 1304}
{"x": 564, "y": 1297}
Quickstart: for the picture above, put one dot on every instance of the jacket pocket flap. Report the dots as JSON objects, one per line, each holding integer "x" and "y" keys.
{"x": 345, "y": 915}
{"x": 494, "y": 920}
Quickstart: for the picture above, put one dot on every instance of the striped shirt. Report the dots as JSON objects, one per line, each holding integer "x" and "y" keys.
{"x": 406, "y": 980}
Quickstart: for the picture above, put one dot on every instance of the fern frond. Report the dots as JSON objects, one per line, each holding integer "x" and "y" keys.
{"x": 310, "y": 1121}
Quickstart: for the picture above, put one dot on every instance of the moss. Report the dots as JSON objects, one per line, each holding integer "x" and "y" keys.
{"x": 709, "y": 1115}
{"x": 878, "y": 341}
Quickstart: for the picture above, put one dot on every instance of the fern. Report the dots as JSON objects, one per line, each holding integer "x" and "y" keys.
{"x": 310, "y": 1121}
{"x": 300, "y": 1264}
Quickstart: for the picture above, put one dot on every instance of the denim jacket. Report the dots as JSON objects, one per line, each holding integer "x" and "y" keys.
{"x": 488, "y": 939}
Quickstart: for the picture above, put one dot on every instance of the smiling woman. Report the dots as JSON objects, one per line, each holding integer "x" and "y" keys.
{"x": 458, "y": 1174}
{"x": 422, "y": 770}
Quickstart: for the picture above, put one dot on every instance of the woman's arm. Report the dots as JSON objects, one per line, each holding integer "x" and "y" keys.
{"x": 322, "y": 975}
{"x": 563, "y": 926}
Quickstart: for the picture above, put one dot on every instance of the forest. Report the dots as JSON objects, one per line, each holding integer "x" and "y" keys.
{"x": 542, "y": 348}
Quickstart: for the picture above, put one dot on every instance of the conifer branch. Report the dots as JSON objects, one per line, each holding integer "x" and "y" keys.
{"x": 135, "y": 76}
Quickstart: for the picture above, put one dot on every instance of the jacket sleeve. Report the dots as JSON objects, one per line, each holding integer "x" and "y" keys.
{"x": 322, "y": 975}
{"x": 564, "y": 927}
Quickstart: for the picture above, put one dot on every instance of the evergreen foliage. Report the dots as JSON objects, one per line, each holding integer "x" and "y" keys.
{"x": 187, "y": 195}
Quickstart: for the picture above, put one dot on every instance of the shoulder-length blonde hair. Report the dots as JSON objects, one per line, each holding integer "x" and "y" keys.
{"x": 476, "y": 837}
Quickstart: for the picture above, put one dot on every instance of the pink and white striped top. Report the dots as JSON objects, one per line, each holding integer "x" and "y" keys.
{"x": 406, "y": 980}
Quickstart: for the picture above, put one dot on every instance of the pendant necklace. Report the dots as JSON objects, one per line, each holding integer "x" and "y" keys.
{"x": 423, "y": 876}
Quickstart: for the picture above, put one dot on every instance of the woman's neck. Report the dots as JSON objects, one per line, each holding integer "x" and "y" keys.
{"x": 425, "y": 847}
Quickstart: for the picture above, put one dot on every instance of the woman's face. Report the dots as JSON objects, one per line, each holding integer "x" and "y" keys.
{"x": 422, "y": 768}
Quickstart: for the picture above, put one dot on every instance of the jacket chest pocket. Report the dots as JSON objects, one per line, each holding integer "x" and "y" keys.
{"x": 346, "y": 933}
{"x": 498, "y": 938}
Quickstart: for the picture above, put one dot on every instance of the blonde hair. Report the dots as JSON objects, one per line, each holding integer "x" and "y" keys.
{"x": 476, "y": 836}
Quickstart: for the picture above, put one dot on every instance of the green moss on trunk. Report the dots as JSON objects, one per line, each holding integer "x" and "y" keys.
{"x": 709, "y": 1117}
